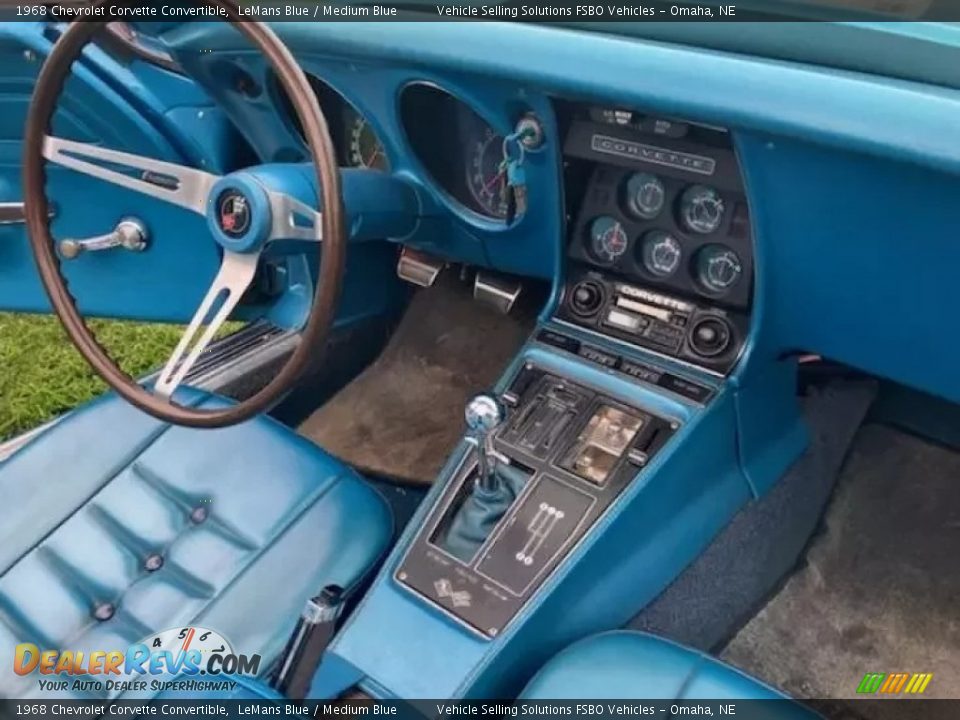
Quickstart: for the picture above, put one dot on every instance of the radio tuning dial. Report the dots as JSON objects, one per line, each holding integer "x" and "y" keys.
{"x": 586, "y": 298}
{"x": 710, "y": 336}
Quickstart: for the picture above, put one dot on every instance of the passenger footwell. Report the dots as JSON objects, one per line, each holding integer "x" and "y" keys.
{"x": 403, "y": 415}
{"x": 880, "y": 590}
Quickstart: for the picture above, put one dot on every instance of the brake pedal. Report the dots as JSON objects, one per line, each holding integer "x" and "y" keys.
{"x": 418, "y": 267}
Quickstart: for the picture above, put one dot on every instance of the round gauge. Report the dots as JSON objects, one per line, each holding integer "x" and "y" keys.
{"x": 645, "y": 195}
{"x": 608, "y": 241}
{"x": 701, "y": 209}
{"x": 366, "y": 150}
{"x": 660, "y": 253}
{"x": 718, "y": 268}
{"x": 485, "y": 177}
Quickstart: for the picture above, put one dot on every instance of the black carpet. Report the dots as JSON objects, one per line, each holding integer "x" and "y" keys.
{"x": 880, "y": 591}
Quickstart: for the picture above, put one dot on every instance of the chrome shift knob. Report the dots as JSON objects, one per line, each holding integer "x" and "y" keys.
{"x": 484, "y": 414}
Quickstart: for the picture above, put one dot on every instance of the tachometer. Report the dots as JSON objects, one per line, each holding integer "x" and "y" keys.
{"x": 366, "y": 150}
{"x": 485, "y": 177}
{"x": 608, "y": 240}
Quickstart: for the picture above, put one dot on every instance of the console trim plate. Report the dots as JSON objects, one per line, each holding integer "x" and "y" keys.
{"x": 503, "y": 611}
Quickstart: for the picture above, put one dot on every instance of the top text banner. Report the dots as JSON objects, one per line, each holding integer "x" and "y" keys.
{"x": 523, "y": 10}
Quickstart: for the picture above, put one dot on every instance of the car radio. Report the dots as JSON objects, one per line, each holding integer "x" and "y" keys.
{"x": 707, "y": 336}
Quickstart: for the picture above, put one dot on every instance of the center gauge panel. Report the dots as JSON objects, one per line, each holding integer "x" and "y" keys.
{"x": 660, "y": 243}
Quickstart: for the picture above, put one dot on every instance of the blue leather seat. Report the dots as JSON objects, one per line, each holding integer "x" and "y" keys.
{"x": 114, "y": 526}
{"x": 625, "y": 665}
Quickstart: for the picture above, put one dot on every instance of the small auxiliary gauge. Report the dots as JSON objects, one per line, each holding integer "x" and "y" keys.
{"x": 608, "y": 240}
{"x": 718, "y": 268}
{"x": 645, "y": 195}
{"x": 660, "y": 253}
{"x": 701, "y": 209}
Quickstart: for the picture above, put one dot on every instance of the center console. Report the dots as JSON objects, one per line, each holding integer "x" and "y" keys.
{"x": 566, "y": 453}
{"x": 659, "y": 249}
{"x": 659, "y": 261}
{"x": 609, "y": 455}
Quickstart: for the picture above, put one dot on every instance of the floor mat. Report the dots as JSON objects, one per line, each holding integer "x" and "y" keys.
{"x": 402, "y": 416}
{"x": 880, "y": 589}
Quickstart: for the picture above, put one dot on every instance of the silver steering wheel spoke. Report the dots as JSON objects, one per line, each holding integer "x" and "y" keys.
{"x": 292, "y": 219}
{"x": 177, "y": 184}
{"x": 235, "y": 275}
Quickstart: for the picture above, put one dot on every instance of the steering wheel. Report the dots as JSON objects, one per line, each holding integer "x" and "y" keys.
{"x": 243, "y": 215}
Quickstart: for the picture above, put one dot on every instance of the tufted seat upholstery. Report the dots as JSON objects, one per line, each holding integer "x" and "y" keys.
{"x": 626, "y": 665}
{"x": 114, "y": 526}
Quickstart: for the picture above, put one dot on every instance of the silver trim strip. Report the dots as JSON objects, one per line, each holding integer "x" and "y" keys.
{"x": 644, "y": 349}
{"x": 183, "y": 186}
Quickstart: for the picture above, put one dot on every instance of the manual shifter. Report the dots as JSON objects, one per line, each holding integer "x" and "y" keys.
{"x": 489, "y": 491}
{"x": 484, "y": 414}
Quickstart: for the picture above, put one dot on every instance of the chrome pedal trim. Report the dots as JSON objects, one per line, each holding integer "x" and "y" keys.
{"x": 497, "y": 290}
{"x": 418, "y": 268}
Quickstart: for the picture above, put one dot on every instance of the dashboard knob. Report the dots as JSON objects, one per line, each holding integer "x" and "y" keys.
{"x": 710, "y": 336}
{"x": 586, "y": 298}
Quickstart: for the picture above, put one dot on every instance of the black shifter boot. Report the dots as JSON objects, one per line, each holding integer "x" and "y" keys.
{"x": 480, "y": 512}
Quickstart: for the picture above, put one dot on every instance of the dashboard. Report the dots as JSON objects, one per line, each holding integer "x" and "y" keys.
{"x": 460, "y": 151}
{"x": 816, "y": 199}
{"x": 658, "y": 247}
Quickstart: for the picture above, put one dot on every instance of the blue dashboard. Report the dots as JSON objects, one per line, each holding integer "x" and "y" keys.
{"x": 850, "y": 177}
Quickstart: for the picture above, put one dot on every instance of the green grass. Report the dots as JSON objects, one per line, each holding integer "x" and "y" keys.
{"x": 42, "y": 375}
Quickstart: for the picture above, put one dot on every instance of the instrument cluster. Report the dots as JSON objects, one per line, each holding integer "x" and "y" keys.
{"x": 659, "y": 235}
{"x": 459, "y": 149}
{"x": 355, "y": 139}
{"x": 667, "y": 211}
{"x": 671, "y": 233}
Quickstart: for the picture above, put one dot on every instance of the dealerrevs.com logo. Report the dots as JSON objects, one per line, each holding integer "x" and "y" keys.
{"x": 174, "y": 659}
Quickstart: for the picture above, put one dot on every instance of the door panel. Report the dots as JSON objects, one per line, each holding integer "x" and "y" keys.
{"x": 132, "y": 107}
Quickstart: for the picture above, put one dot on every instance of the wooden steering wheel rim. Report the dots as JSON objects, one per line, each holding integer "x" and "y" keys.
{"x": 314, "y": 335}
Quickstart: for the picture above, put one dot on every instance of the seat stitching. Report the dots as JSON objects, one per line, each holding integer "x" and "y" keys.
{"x": 173, "y": 495}
{"x": 129, "y": 460}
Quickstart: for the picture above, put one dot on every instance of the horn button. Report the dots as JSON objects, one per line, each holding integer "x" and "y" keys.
{"x": 239, "y": 214}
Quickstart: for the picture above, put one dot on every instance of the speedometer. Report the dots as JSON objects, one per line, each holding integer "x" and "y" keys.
{"x": 366, "y": 150}
{"x": 485, "y": 177}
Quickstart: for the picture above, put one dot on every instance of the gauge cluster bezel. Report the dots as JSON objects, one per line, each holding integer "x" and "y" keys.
{"x": 605, "y": 195}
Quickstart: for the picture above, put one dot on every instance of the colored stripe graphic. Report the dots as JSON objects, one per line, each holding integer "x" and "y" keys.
{"x": 894, "y": 683}
{"x": 918, "y": 683}
{"x": 871, "y": 682}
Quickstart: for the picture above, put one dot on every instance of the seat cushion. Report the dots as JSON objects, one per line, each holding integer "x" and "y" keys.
{"x": 114, "y": 526}
{"x": 626, "y": 665}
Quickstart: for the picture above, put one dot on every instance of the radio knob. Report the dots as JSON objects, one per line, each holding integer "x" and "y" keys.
{"x": 710, "y": 336}
{"x": 586, "y": 298}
